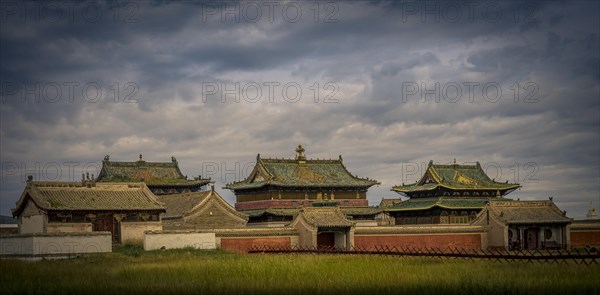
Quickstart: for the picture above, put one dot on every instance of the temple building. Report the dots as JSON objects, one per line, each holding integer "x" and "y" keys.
{"x": 160, "y": 177}
{"x": 531, "y": 225}
{"x": 200, "y": 210}
{"x": 277, "y": 188}
{"x": 124, "y": 209}
{"x": 447, "y": 194}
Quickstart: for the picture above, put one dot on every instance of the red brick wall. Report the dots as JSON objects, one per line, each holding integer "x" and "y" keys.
{"x": 243, "y": 244}
{"x": 585, "y": 238}
{"x": 461, "y": 241}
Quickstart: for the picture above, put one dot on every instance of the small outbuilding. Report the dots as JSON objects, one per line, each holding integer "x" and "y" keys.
{"x": 324, "y": 227}
{"x": 528, "y": 225}
{"x": 125, "y": 210}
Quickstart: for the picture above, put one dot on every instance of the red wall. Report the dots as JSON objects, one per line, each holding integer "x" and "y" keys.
{"x": 461, "y": 241}
{"x": 585, "y": 238}
{"x": 243, "y": 244}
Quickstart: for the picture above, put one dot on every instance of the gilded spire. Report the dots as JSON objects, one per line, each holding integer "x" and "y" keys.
{"x": 300, "y": 153}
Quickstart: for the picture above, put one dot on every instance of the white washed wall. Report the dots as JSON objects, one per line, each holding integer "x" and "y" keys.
{"x": 175, "y": 239}
{"x": 42, "y": 244}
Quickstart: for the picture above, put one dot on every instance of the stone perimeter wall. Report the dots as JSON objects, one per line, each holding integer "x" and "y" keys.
{"x": 154, "y": 240}
{"x": 55, "y": 244}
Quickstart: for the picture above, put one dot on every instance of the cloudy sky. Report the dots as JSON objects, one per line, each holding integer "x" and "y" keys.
{"x": 389, "y": 86}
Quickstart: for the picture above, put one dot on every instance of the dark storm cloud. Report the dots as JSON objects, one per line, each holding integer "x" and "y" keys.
{"x": 170, "y": 50}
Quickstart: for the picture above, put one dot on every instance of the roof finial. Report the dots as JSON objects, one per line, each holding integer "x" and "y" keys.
{"x": 341, "y": 160}
{"x": 454, "y": 161}
{"x": 300, "y": 153}
{"x": 140, "y": 157}
{"x": 172, "y": 159}
{"x": 106, "y": 158}
{"x": 430, "y": 163}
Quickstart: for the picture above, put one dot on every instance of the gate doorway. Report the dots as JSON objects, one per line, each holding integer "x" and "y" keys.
{"x": 108, "y": 223}
{"x": 531, "y": 238}
{"x": 326, "y": 240}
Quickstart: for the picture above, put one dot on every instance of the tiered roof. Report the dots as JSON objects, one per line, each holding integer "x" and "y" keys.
{"x": 455, "y": 177}
{"x": 441, "y": 202}
{"x": 386, "y": 203}
{"x": 88, "y": 196}
{"x": 293, "y": 212}
{"x": 286, "y": 212}
{"x": 155, "y": 174}
{"x": 300, "y": 172}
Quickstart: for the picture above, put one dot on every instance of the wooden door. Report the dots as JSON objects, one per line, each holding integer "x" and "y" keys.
{"x": 326, "y": 240}
{"x": 531, "y": 237}
{"x": 108, "y": 223}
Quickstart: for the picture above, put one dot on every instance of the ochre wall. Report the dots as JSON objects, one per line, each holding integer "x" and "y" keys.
{"x": 438, "y": 241}
{"x": 31, "y": 220}
{"x": 133, "y": 232}
{"x": 243, "y": 244}
{"x": 585, "y": 238}
{"x": 68, "y": 227}
{"x": 31, "y": 224}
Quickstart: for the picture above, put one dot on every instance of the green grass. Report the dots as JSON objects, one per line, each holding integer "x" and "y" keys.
{"x": 131, "y": 270}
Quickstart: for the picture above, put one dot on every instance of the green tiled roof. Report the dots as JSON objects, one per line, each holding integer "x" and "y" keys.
{"x": 386, "y": 203}
{"x": 360, "y": 210}
{"x": 156, "y": 174}
{"x": 300, "y": 173}
{"x": 456, "y": 177}
{"x": 441, "y": 202}
{"x": 195, "y": 210}
{"x": 324, "y": 217}
{"x": 523, "y": 212}
{"x": 179, "y": 204}
{"x": 97, "y": 196}
{"x": 290, "y": 212}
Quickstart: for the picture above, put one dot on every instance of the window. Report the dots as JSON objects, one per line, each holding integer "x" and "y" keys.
{"x": 547, "y": 234}
{"x": 131, "y": 217}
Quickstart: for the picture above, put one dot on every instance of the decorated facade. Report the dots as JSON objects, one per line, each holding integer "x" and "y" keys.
{"x": 447, "y": 194}
{"x": 277, "y": 188}
{"x": 160, "y": 177}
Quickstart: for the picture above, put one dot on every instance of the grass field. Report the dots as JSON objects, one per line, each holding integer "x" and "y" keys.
{"x": 133, "y": 271}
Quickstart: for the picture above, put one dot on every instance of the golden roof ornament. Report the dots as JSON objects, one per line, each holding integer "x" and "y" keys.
{"x": 300, "y": 153}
